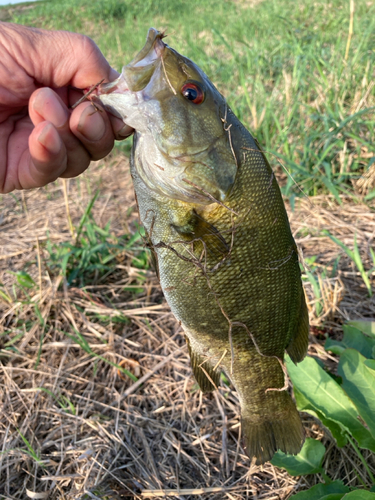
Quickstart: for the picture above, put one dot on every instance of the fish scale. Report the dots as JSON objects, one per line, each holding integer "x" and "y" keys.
{"x": 217, "y": 226}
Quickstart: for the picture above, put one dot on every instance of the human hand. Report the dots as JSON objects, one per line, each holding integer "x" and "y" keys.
{"x": 41, "y": 139}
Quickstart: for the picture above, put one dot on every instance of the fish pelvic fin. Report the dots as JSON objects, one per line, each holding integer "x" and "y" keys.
{"x": 207, "y": 378}
{"x": 265, "y": 434}
{"x": 298, "y": 344}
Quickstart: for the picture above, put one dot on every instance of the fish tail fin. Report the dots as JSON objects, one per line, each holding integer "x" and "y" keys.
{"x": 267, "y": 433}
{"x": 297, "y": 347}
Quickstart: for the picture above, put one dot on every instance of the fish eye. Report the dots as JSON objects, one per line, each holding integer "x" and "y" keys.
{"x": 193, "y": 92}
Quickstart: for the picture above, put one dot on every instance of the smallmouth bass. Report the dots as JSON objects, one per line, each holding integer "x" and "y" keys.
{"x": 220, "y": 237}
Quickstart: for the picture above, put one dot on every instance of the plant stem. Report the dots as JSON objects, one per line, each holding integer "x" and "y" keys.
{"x": 351, "y": 441}
{"x": 66, "y": 199}
{"x": 350, "y": 34}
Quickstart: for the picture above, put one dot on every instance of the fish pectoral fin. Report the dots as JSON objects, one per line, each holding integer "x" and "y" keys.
{"x": 207, "y": 378}
{"x": 204, "y": 229}
{"x": 198, "y": 228}
{"x": 298, "y": 344}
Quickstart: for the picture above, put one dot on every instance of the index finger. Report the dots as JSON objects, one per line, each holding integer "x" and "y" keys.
{"x": 57, "y": 58}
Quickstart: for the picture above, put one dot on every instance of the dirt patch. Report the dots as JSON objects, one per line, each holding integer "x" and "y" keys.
{"x": 71, "y": 422}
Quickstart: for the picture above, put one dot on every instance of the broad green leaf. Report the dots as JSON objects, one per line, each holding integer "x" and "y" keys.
{"x": 370, "y": 363}
{"x": 321, "y": 490}
{"x": 335, "y": 346}
{"x": 366, "y": 326}
{"x": 359, "y": 495}
{"x": 353, "y": 338}
{"x": 308, "y": 461}
{"x": 337, "y": 431}
{"x": 359, "y": 384}
{"x": 333, "y": 496}
{"x": 329, "y": 398}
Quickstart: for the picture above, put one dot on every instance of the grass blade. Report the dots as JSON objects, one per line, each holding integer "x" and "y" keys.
{"x": 354, "y": 256}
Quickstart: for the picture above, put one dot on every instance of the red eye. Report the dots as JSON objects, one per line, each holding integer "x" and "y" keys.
{"x": 192, "y": 92}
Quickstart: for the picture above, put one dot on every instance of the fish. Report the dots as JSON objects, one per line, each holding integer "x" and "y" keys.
{"x": 218, "y": 231}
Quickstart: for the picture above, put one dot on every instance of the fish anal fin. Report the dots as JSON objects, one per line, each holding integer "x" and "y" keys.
{"x": 207, "y": 378}
{"x": 298, "y": 344}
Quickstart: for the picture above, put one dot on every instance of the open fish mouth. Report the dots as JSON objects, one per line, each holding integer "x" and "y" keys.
{"x": 137, "y": 74}
{"x": 168, "y": 101}
{"x": 138, "y": 82}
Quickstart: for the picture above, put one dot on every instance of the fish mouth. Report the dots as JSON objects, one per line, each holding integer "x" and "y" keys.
{"x": 137, "y": 74}
{"x": 152, "y": 50}
{"x": 144, "y": 96}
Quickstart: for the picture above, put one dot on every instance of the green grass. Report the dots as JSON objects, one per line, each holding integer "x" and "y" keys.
{"x": 355, "y": 256}
{"x": 280, "y": 64}
{"x": 282, "y": 67}
{"x": 92, "y": 254}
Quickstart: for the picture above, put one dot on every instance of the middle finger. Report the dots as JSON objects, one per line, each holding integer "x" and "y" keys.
{"x": 46, "y": 105}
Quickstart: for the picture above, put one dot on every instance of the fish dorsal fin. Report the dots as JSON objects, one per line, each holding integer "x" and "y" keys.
{"x": 298, "y": 344}
{"x": 208, "y": 379}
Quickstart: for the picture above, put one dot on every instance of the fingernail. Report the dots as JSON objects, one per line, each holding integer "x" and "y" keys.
{"x": 91, "y": 124}
{"x": 49, "y": 106}
{"x": 50, "y": 139}
{"x": 125, "y": 132}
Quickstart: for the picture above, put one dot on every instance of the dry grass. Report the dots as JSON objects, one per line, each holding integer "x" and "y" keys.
{"x": 71, "y": 421}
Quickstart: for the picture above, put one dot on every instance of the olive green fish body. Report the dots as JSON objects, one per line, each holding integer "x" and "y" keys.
{"x": 227, "y": 262}
{"x": 241, "y": 305}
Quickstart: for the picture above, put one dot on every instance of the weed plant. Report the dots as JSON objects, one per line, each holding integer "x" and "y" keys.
{"x": 345, "y": 404}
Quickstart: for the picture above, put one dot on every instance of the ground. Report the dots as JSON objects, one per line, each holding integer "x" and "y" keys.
{"x": 71, "y": 420}
{"x": 81, "y": 311}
